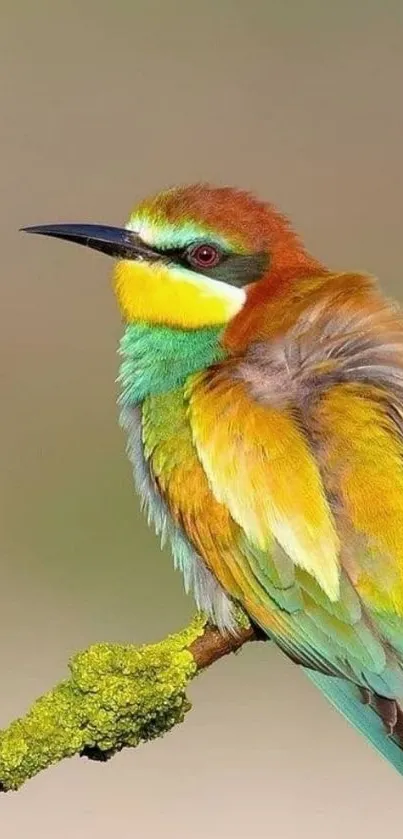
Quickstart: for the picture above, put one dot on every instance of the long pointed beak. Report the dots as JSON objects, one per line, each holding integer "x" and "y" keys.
{"x": 114, "y": 241}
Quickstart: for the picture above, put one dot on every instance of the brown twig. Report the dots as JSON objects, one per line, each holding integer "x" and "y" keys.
{"x": 212, "y": 645}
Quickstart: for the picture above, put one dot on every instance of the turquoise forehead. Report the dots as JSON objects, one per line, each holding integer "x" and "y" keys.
{"x": 162, "y": 233}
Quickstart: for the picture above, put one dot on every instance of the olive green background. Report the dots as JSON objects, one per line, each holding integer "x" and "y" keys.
{"x": 101, "y": 103}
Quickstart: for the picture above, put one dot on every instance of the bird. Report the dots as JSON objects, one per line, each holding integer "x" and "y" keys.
{"x": 261, "y": 393}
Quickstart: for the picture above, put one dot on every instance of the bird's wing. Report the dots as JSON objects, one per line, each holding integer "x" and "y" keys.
{"x": 292, "y": 546}
{"x": 314, "y": 487}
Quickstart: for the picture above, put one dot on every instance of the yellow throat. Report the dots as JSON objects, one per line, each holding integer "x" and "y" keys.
{"x": 164, "y": 294}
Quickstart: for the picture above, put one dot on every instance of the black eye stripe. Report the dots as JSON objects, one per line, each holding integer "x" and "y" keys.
{"x": 232, "y": 268}
{"x": 180, "y": 254}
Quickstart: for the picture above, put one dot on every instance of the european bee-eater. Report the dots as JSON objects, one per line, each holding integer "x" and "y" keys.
{"x": 262, "y": 395}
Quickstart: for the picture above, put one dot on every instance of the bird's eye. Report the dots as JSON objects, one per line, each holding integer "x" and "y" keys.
{"x": 203, "y": 256}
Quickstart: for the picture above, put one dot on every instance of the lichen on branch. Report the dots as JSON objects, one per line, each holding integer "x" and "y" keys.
{"x": 117, "y": 696}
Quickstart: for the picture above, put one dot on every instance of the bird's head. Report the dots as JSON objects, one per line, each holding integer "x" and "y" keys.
{"x": 189, "y": 256}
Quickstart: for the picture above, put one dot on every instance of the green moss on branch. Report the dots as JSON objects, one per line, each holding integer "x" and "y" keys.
{"x": 117, "y": 696}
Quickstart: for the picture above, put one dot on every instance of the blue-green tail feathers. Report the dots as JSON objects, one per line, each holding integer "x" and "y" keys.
{"x": 348, "y": 700}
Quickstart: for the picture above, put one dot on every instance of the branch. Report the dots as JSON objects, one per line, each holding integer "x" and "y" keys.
{"x": 117, "y": 696}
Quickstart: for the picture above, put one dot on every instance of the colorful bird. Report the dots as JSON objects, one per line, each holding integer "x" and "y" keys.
{"x": 262, "y": 395}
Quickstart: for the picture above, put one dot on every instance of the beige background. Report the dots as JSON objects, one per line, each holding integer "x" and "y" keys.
{"x": 102, "y": 103}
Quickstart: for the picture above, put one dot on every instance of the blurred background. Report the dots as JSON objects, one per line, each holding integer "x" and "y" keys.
{"x": 101, "y": 104}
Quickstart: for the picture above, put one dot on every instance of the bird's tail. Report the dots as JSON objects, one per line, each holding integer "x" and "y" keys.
{"x": 380, "y": 720}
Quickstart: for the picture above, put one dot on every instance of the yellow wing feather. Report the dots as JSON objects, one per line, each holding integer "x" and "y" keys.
{"x": 259, "y": 465}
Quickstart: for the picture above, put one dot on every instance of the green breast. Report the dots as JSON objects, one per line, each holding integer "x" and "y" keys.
{"x": 157, "y": 359}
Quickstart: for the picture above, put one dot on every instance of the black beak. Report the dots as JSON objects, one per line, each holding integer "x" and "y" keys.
{"x": 114, "y": 241}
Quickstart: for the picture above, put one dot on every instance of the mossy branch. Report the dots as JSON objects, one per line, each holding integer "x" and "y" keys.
{"x": 117, "y": 696}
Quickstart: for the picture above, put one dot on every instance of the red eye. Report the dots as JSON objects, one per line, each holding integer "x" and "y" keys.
{"x": 203, "y": 256}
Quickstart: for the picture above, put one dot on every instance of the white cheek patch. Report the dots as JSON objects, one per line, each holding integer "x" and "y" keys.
{"x": 209, "y": 287}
